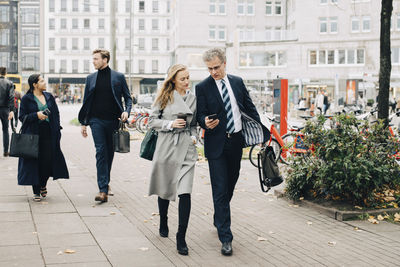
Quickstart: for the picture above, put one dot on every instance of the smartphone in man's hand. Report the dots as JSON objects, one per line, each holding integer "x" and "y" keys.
{"x": 212, "y": 117}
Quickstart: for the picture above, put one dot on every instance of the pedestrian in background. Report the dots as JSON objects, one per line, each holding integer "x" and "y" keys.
{"x": 221, "y": 100}
{"x": 6, "y": 107}
{"x": 17, "y": 99}
{"x": 101, "y": 109}
{"x": 326, "y": 102}
{"x": 174, "y": 118}
{"x": 51, "y": 163}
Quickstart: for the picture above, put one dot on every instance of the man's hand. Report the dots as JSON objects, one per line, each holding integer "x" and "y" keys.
{"x": 83, "y": 131}
{"x": 124, "y": 116}
{"x": 11, "y": 115}
{"x": 179, "y": 123}
{"x": 211, "y": 124}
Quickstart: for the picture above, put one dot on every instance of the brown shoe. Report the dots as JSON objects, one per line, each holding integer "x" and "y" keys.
{"x": 102, "y": 197}
{"x": 6, "y": 154}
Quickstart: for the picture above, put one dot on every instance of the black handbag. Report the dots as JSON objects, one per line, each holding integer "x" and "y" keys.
{"x": 121, "y": 139}
{"x": 148, "y": 145}
{"x": 24, "y": 145}
{"x": 268, "y": 169}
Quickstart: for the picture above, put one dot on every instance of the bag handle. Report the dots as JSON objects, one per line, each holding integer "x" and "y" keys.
{"x": 13, "y": 127}
{"x": 161, "y": 112}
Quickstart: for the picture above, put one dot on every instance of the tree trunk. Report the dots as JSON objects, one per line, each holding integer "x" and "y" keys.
{"x": 385, "y": 61}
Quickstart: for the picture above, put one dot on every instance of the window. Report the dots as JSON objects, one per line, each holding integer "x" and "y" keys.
{"x": 168, "y": 44}
{"x": 240, "y": 7}
{"x": 168, "y": 24}
{"x": 323, "y": 2}
{"x": 268, "y": 33}
{"x": 52, "y": 66}
{"x": 52, "y": 24}
{"x": 86, "y": 23}
{"x": 63, "y": 24}
{"x": 278, "y": 8}
{"x": 101, "y": 5}
{"x": 127, "y": 65}
{"x": 268, "y": 7}
{"x": 75, "y": 44}
{"x": 246, "y": 33}
{"x": 221, "y": 33}
{"x": 75, "y": 24}
{"x": 155, "y": 6}
{"x": 101, "y": 24}
{"x": 86, "y": 43}
{"x": 52, "y": 43}
{"x": 141, "y": 25}
{"x": 141, "y": 44}
{"x": 337, "y": 57}
{"x": 217, "y": 33}
{"x": 355, "y": 24}
{"x": 154, "y": 44}
{"x": 51, "y": 6}
{"x": 63, "y": 7}
{"x": 30, "y": 15}
{"x": 154, "y": 66}
{"x": 141, "y": 6}
{"x": 127, "y": 44}
{"x": 4, "y": 13}
{"x": 5, "y": 37}
{"x": 127, "y": 24}
{"x": 366, "y": 24}
{"x": 278, "y": 33}
{"x": 168, "y": 6}
{"x": 395, "y": 55}
{"x": 211, "y": 32}
{"x": 217, "y": 7}
{"x": 75, "y": 5}
{"x": 63, "y": 66}
{"x": 101, "y": 42}
{"x": 63, "y": 44}
{"x": 30, "y": 61}
{"x": 154, "y": 24}
{"x": 262, "y": 59}
{"x": 128, "y": 6}
{"x": 141, "y": 66}
{"x": 250, "y": 7}
{"x": 30, "y": 37}
{"x": 86, "y": 5}
{"x": 74, "y": 66}
{"x": 334, "y": 25}
{"x": 323, "y": 27}
{"x": 86, "y": 66}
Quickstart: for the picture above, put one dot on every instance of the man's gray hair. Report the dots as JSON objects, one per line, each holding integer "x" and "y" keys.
{"x": 214, "y": 52}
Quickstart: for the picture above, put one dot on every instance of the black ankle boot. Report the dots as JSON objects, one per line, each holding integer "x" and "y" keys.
{"x": 181, "y": 245}
{"x": 164, "y": 226}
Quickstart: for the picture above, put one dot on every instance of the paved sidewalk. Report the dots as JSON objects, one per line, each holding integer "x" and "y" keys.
{"x": 124, "y": 232}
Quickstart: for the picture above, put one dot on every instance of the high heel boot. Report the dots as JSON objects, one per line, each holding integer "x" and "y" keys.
{"x": 184, "y": 212}
{"x": 163, "y": 210}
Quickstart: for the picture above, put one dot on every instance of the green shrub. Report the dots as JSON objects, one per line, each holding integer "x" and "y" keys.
{"x": 351, "y": 161}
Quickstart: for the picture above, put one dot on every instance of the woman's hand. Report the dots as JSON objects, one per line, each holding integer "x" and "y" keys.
{"x": 41, "y": 116}
{"x": 179, "y": 123}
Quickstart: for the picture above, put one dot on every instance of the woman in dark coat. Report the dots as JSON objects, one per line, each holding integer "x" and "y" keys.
{"x": 51, "y": 161}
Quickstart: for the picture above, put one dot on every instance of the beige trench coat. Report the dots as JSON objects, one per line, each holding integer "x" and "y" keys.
{"x": 174, "y": 147}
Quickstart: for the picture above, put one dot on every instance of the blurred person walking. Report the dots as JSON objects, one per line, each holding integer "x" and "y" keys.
{"x": 6, "y": 107}
{"x": 101, "y": 109}
{"x": 17, "y": 99}
{"x": 35, "y": 104}
{"x": 174, "y": 118}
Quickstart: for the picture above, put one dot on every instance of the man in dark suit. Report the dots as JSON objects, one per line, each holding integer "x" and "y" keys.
{"x": 6, "y": 107}
{"x": 102, "y": 108}
{"x": 227, "y": 97}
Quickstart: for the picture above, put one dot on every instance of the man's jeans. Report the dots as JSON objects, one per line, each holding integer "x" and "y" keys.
{"x": 4, "y": 112}
{"x": 102, "y": 132}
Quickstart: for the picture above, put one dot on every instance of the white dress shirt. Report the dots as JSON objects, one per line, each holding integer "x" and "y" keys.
{"x": 237, "y": 117}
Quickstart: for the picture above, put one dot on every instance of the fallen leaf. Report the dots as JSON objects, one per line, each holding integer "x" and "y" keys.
{"x": 358, "y": 207}
{"x": 309, "y": 223}
{"x": 332, "y": 243}
{"x": 59, "y": 253}
{"x": 145, "y": 221}
{"x": 397, "y": 215}
{"x": 69, "y": 251}
{"x": 35, "y": 233}
{"x": 271, "y": 232}
{"x": 44, "y": 202}
{"x": 295, "y": 206}
{"x": 380, "y": 217}
{"x": 253, "y": 200}
{"x": 154, "y": 224}
{"x": 113, "y": 213}
{"x": 373, "y": 221}
{"x": 144, "y": 249}
{"x": 155, "y": 214}
{"x": 260, "y": 238}
{"x": 302, "y": 198}
{"x": 205, "y": 213}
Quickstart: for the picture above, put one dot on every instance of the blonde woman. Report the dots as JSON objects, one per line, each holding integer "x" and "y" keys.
{"x": 173, "y": 117}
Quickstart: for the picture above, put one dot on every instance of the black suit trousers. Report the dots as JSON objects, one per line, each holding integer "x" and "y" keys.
{"x": 224, "y": 173}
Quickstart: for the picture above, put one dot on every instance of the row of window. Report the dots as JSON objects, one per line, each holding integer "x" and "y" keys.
{"x": 246, "y": 33}
{"x": 75, "y": 44}
{"x": 245, "y": 7}
{"x": 30, "y": 61}
{"x": 329, "y": 25}
{"x": 337, "y": 57}
{"x": 78, "y": 66}
{"x": 324, "y": 2}
{"x": 155, "y": 25}
{"x": 262, "y": 59}
{"x": 100, "y": 6}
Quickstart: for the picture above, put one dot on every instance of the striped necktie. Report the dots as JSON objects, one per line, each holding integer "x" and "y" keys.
{"x": 230, "y": 125}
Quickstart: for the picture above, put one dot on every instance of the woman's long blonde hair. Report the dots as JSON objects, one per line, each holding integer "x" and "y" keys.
{"x": 166, "y": 93}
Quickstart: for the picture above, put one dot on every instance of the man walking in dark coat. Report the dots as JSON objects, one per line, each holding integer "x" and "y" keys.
{"x": 102, "y": 108}
{"x": 6, "y": 107}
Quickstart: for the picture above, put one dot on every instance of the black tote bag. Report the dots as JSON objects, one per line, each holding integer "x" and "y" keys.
{"x": 148, "y": 145}
{"x": 24, "y": 145}
{"x": 268, "y": 169}
{"x": 121, "y": 139}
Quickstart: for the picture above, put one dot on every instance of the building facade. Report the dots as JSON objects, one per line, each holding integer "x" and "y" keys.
{"x": 9, "y": 35}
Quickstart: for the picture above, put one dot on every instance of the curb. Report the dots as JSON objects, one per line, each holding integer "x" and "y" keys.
{"x": 334, "y": 213}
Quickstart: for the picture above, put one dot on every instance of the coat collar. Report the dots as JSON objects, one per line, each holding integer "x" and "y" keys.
{"x": 94, "y": 79}
{"x": 181, "y": 106}
{"x": 47, "y": 96}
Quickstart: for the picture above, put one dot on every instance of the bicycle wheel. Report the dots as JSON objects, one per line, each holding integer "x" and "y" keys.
{"x": 253, "y": 153}
{"x": 288, "y": 145}
{"x": 138, "y": 125}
